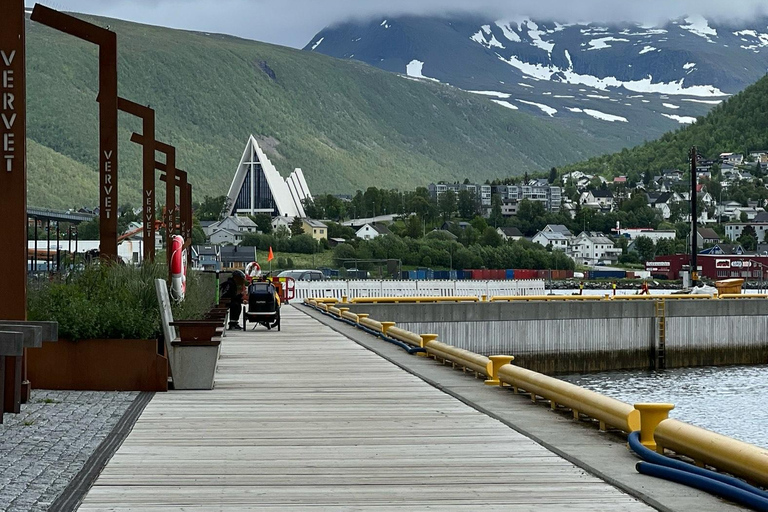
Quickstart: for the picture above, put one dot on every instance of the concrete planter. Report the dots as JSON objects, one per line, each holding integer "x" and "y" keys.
{"x": 99, "y": 365}
{"x": 193, "y": 363}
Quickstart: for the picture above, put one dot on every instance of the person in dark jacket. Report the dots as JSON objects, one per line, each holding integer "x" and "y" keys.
{"x": 233, "y": 289}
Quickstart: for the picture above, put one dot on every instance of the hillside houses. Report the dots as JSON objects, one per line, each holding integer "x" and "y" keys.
{"x": 587, "y": 248}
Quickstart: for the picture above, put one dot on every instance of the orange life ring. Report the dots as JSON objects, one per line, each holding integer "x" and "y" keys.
{"x": 178, "y": 268}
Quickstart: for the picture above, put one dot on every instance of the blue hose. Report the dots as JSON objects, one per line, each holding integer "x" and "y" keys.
{"x": 656, "y": 458}
{"x": 703, "y": 483}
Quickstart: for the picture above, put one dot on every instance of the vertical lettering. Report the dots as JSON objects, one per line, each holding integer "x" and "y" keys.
{"x": 8, "y": 98}
{"x": 8, "y": 60}
{"x": 8, "y": 142}
{"x": 8, "y": 79}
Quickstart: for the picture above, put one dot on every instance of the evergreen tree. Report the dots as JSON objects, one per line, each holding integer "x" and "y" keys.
{"x": 297, "y": 227}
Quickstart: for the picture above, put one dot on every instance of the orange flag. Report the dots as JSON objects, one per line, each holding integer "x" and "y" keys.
{"x": 271, "y": 256}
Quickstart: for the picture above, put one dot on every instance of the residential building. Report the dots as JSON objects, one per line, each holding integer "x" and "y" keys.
{"x": 706, "y": 236}
{"x": 317, "y": 229}
{"x": 225, "y": 237}
{"x": 371, "y": 231}
{"x": 558, "y": 228}
{"x": 258, "y": 188}
{"x": 592, "y": 248}
{"x": 206, "y": 257}
{"x": 237, "y": 258}
{"x": 236, "y": 223}
{"x": 558, "y": 241}
{"x": 509, "y": 207}
{"x": 653, "y": 234}
{"x": 733, "y": 230}
{"x": 508, "y": 233}
{"x": 598, "y": 199}
{"x": 550, "y": 196}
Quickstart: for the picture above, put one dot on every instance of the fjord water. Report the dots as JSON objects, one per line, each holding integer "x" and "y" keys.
{"x": 726, "y": 399}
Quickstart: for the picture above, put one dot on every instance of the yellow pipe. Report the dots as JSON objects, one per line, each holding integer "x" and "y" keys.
{"x": 326, "y": 300}
{"x": 411, "y": 300}
{"x": 744, "y": 296}
{"x": 650, "y": 417}
{"x": 686, "y": 296}
{"x": 404, "y": 336}
{"x": 496, "y": 363}
{"x": 705, "y": 447}
{"x": 334, "y": 311}
{"x": 349, "y": 315}
{"x": 548, "y": 298}
{"x": 426, "y": 339}
{"x": 636, "y": 297}
{"x": 464, "y": 358}
{"x": 386, "y": 326}
{"x": 370, "y": 323}
{"x": 608, "y": 411}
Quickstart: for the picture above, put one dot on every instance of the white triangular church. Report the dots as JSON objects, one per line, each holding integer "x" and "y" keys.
{"x": 259, "y": 188}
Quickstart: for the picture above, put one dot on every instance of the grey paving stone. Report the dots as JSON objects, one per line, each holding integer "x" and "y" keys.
{"x": 44, "y": 447}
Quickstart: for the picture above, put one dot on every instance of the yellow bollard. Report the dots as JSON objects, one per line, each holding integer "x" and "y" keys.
{"x": 344, "y": 299}
{"x": 650, "y": 417}
{"x": 426, "y": 338}
{"x": 496, "y": 363}
{"x": 484, "y": 298}
{"x": 385, "y": 326}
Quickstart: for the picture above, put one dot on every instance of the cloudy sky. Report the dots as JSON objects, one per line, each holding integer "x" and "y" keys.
{"x": 294, "y": 22}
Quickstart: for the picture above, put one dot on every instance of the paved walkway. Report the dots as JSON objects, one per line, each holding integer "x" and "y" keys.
{"x": 307, "y": 419}
{"x": 44, "y": 447}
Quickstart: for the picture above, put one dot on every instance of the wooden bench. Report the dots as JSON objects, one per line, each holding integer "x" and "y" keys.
{"x": 12, "y": 347}
{"x": 193, "y": 360}
{"x": 48, "y": 332}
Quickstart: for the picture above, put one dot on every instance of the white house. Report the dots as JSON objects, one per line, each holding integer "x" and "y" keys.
{"x": 235, "y": 223}
{"x": 653, "y": 234}
{"x": 508, "y": 233}
{"x": 558, "y": 241}
{"x": 371, "y": 231}
{"x": 593, "y": 248}
{"x": 226, "y": 236}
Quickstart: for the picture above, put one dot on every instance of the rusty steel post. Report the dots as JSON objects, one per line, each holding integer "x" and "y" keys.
{"x": 170, "y": 191}
{"x": 147, "y": 116}
{"x": 189, "y": 224}
{"x": 107, "y": 42}
{"x": 13, "y": 187}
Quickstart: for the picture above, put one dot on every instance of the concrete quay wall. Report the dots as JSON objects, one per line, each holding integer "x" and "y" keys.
{"x": 566, "y": 337}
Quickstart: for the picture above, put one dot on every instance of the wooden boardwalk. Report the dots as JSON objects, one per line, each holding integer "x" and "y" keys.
{"x": 306, "y": 419}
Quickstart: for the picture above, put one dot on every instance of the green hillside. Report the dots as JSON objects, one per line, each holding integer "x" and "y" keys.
{"x": 346, "y": 124}
{"x": 738, "y": 125}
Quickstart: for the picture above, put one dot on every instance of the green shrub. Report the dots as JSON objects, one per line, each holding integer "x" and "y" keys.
{"x": 114, "y": 301}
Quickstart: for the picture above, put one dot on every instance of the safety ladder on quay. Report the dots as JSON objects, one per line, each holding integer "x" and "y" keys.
{"x": 660, "y": 361}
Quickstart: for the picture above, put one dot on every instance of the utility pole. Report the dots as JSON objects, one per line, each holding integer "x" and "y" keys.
{"x": 694, "y": 215}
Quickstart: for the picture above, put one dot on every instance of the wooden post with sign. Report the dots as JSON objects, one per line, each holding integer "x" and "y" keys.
{"x": 107, "y": 42}
{"x": 148, "y": 172}
{"x": 13, "y": 186}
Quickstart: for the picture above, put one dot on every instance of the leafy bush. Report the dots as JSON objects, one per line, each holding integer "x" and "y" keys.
{"x": 114, "y": 301}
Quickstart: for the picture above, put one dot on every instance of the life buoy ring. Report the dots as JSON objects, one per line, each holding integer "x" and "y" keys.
{"x": 178, "y": 268}
{"x": 252, "y": 270}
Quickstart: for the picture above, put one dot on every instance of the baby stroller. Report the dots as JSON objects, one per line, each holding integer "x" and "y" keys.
{"x": 263, "y": 305}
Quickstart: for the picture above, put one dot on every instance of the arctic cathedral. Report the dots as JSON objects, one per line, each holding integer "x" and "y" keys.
{"x": 259, "y": 188}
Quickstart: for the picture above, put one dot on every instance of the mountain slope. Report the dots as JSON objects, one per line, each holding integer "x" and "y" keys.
{"x": 346, "y": 124}
{"x": 624, "y": 83}
{"x": 737, "y": 125}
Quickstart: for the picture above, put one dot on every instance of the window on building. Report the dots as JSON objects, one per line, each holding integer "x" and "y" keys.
{"x": 722, "y": 273}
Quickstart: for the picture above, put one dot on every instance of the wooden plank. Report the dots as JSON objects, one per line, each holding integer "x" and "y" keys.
{"x": 305, "y": 419}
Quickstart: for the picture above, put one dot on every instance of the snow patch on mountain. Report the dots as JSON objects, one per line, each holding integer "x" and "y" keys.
{"x": 491, "y": 93}
{"x": 505, "y": 104}
{"x": 599, "y": 115}
{"x": 708, "y": 102}
{"x": 698, "y": 25}
{"x": 479, "y": 37}
{"x": 535, "y": 34}
{"x": 689, "y": 65}
{"x": 648, "y": 49}
{"x": 602, "y": 43}
{"x": 645, "y": 85}
{"x": 385, "y": 24}
{"x": 414, "y": 70}
{"x": 317, "y": 43}
{"x": 681, "y": 119}
{"x": 506, "y": 28}
{"x": 544, "y": 108}
{"x": 670, "y": 105}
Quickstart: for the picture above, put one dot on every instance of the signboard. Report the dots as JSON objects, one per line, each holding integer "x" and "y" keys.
{"x": 656, "y": 264}
{"x": 722, "y": 263}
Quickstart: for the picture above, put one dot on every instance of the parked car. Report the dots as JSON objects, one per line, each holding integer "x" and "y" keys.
{"x": 303, "y": 275}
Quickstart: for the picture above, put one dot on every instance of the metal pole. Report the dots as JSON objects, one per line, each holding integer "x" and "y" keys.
{"x": 58, "y": 249}
{"x": 48, "y": 248}
{"x": 694, "y": 216}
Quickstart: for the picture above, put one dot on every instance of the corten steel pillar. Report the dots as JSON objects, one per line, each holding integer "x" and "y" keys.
{"x": 170, "y": 190}
{"x": 188, "y": 213}
{"x": 13, "y": 187}
{"x": 147, "y": 116}
{"x": 107, "y": 42}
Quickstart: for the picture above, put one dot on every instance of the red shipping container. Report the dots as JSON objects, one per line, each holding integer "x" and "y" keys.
{"x": 498, "y": 275}
{"x": 524, "y": 273}
{"x": 569, "y": 274}
{"x": 485, "y": 274}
